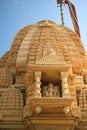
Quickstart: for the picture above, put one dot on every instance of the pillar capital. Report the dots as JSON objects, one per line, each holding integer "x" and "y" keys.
{"x": 64, "y": 78}
{"x": 64, "y": 74}
{"x": 37, "y": 74}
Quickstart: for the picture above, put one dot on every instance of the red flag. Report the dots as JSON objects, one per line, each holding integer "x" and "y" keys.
{"x": 73, "y": 16}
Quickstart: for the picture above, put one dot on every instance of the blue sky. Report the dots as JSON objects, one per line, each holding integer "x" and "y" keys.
{"x": 15, "y": 14}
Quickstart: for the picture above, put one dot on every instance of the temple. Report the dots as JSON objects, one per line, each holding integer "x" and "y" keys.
{"x": 43, "y": 80}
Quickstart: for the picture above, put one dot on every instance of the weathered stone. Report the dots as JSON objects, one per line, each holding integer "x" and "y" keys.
{"x": 48, "y": 63}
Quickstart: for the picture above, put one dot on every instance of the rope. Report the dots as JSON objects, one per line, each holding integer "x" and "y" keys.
{"x": 61, "y": 11}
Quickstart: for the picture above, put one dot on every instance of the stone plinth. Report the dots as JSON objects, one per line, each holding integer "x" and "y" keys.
{"x": 49, "y": 104}
{"x": 45, "y": 123}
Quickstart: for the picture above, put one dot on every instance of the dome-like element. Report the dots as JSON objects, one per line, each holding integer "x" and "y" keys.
{"x": 17, "y": 43}
{"x": 5, "y": 77}
{"x": 34, "y": 42}
{"x": 3, "y": 59}
{"x": 11, "y": 99}
{"x": 83, "y": 99}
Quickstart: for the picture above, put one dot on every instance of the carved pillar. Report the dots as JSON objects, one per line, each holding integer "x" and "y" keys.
{"x": 38, "y": 83}
{"x": 75, "y": 109}
{"x": 65, "y": 90}
{"x": 71, "y": 84}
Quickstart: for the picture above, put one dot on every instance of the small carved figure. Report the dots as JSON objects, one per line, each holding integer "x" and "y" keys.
{"x": 44, "y": 91}
{"x": 50, "y": 91}
{"x": 56, "y": 91}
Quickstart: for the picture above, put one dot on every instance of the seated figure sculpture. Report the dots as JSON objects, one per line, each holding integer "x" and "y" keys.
{"x": 50, "y": 91}
{"x": 56, "y": 91}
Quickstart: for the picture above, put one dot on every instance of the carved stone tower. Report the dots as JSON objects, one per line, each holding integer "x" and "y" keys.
{"x": 43, "y": 79}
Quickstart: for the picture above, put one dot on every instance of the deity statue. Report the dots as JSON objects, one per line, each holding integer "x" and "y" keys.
{"x": 56, "y": 91}
{"x": 44, "y": 91}
{"x": 50, "y": 91}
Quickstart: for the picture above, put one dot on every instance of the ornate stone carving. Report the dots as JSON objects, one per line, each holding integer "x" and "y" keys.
{"x": 71, "y": 80}
{"x": 30, "y": 87}
{"x": 38, "y": 109}
{"x": 71, "y": 83}
{"x": 66, "y": 110}
{"x": 76, "y": 112}
{"x": 65, "y": 90}
{"x": 27, "y": 111}
{"x": 38, "y": 83}
{"x": 56, "y": 91}
{"x": 51, "y": 58}
{"x": 49, "y": 103}
{"x": 50, "y": 91}
{"x": 51, "y": 49}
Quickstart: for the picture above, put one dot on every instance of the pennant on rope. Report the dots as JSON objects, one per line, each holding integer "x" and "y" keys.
{"x": 73, "y": 16}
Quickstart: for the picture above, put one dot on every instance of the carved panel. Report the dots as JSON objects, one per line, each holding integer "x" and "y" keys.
{"x": 51, "y": 58}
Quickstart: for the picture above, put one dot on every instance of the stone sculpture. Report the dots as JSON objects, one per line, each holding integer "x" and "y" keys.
{"x": 50, "y": 91}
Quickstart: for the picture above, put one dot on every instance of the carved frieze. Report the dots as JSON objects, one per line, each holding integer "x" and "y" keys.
{"x": 51, "y": 58}
{"x": 51, "y": 103}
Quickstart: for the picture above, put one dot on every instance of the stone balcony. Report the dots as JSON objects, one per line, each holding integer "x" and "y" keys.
{"x": 49, "y": 104}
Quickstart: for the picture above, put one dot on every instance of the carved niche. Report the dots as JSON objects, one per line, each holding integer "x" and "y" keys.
{"x": 50, "y": 91}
